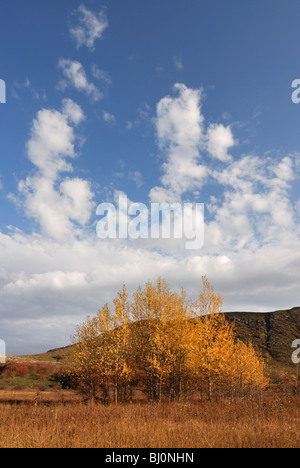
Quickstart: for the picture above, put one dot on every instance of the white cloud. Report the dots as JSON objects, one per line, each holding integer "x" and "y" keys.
{"x": 48, "y": 287}
{"x": 219, "y": 141}
{"x": 55, "y": 202}
{"x": 179, "y": 126}
{"x": 255, "y": 207}
{"x": 77, "y": 196}
{"x": 285, "y": 171}
{"x": 72, "y": 111}
{"x": 91, "y": 27}
{"x": 183, "y": 139}
{"x": 75, "y": 76}
{"x": 179, "y": 119}
{"x": 52, "y": 140}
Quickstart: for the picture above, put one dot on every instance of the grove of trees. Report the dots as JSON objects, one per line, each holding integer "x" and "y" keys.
{"x": 165, "y": 345}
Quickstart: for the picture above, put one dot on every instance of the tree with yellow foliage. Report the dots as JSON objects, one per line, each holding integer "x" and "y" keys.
{"x": 180, "y": 345}
{"x": 100, "y": 352}
{"x": 87, "y": 358}
{"x": 120, "y": 345}
{"x": 216, "y": 358}
{"x": 248, "y": 370}
{"x": 211, "y": 342}
{"x": 160, "y": 317}
{"x": 150, "y": 307}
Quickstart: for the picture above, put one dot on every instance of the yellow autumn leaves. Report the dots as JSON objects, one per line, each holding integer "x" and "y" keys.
{"x": 165, "y": 345}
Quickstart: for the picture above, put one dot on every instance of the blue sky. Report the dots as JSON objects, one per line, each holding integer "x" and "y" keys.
{"x": 163, "y": 101}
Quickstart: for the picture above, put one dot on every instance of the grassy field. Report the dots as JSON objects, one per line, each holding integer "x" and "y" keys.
{"x": 271, "y": 423}
{"x": 37, "y": 413}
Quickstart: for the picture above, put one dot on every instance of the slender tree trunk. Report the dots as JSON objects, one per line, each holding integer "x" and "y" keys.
{"x": 160, "y": 387}
{"x": 93, "y": 391}
{"x": 209, "y": 389}
{"x": 180, "y": 380}
{"x": 116, "y": 388}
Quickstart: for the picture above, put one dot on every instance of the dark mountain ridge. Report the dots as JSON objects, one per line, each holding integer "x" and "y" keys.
{"x": 272, "y": 333}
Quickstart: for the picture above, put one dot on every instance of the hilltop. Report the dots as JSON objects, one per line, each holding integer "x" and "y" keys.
{"x": 272, "y": 333}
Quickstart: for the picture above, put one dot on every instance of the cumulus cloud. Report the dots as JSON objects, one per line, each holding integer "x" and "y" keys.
{"x": 51, "y": 142}
{"x": 75, "y": 76}
{"x": 219, "y": 141}
{"x": 55, "y": 202}
{"x": 184, "y": 141}
{"x": 89, "y": 28}
{"x": 72, "y": 111}
{"x": 179, "y": 126}
{"x": 255, "y": 208}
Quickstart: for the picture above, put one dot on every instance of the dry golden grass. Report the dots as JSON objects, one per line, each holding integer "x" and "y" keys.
{"x": 43, "y": 397}
{"x": 274, "y": 423}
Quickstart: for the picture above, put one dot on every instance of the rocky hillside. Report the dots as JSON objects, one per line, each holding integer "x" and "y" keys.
{"x": 272, "y": 333}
